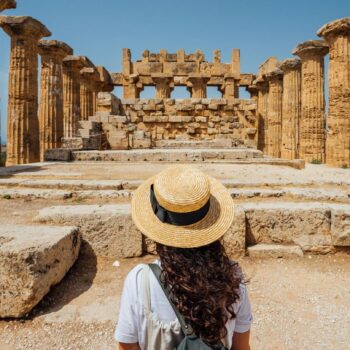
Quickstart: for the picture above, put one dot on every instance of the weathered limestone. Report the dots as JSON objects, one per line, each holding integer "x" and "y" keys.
{"x": 109, "y": 229}
{"x": 291, "y": 108}
{"x": 22, "y": 112}
{"x": 132, "y": 87}
{"x": 32, "y": 260}
{"x": 254, "y": 91}
{"x": 274, "y": 112}
{"x": 88, "y": 78}
{"x": 51, "y": 93}
{"x": 230, "y": 88}
{"x": 274, "y": 251}
{"x": 337, "y": 35}
{"x": 313, "y": 120}
{"x": 164, "y": 85}
{"x": 7, "y": 4}
{"x": 71, "y": 93}
{"x": 197, "y": 85}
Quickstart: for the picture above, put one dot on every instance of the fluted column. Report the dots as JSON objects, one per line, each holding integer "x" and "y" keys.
{"x": 71, "y": 94}
{"x": 337, "y": 35}
{"x": 313, "y": 118}
{"x": 7, "y": 4}
{"x": 197, "y": 85}
{"x": 88, "y": 76}
{"x": 274, "y": 112}
{"x": 263, "y": 95}
{"x": 164, "y": 85}
{"x": 51, "y": 93}
{"x": 291, "y": 108}
{"x": 22, "y": 112}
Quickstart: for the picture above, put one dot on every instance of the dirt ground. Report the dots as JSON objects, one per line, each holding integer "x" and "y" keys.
{"x": 297, "y": 304}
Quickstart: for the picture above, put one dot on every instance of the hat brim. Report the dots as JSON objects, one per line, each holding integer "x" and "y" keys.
{"x": 213, "y": 226}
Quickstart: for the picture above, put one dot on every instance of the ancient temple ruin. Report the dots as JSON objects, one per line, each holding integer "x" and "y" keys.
{"x": 76, "y": 109}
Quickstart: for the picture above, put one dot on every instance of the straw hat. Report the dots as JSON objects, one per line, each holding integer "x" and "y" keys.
{"x": 182, "y": 207}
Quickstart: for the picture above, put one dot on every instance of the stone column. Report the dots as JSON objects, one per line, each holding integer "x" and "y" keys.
{"x": 132, "y": 86}
{"x": 88, "y": 78}
{"x": 164, "y": 85}
{"x": 71, "y": 94}
{"x": 313, "y": 120}
{"x": 7, "y": 4}
{"x": 274, "y": 112}
{"x": 291, "y": 108}
{"x": 337, "y": 35}
{"x": 22, "y": 113}
{"x": 197, "y": 85}
{"x": 230, "y": 88}
{"x": 263, "y": 94}
{"x": 51, "y": 93}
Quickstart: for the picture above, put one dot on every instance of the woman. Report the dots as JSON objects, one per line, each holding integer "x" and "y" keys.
{"x": 185, "y": 212}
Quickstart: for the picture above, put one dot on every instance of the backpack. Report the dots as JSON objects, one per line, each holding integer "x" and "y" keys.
{"x": 190, "y": 340}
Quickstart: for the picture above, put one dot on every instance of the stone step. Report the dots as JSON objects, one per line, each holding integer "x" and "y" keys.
{"x": 33, "y": 258}
{"x": 114, "y": 189}
{"x": 313, "y": 226}
{"x": 274, "y": 251}
{"x": 216, "y": 143}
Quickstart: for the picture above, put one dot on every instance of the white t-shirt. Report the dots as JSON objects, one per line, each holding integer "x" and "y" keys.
{"x": 131, "y": 327}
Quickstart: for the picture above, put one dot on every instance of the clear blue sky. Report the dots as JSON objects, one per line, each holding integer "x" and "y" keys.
{"x": 100, "y": 29}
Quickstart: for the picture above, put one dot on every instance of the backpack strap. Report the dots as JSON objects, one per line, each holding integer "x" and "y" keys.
{"x": 187, "y": 329}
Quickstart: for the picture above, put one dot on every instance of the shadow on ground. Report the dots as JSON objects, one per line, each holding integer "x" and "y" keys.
{"x": 78, "y": 280}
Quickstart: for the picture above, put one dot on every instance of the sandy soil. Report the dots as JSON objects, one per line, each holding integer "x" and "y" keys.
{"x": 298, "y": 304}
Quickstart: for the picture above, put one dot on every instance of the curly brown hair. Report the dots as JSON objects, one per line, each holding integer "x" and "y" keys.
{"x": 204, "y": 285}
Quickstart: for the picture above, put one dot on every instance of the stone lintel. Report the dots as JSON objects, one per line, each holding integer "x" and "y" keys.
{"x": 311, "y": 48}
{"x": 338, "y": 27}
{"x": 54, "y": 48}
{"x": 23, "y": 26}
{"x": 161, "y": 76}
{"x": 198, "y": 76}
{"x": 233, "y": 76}
{"x": 275, "y": 74}
{"x": 7, "y": 4}
{"x": 290, "y": 64}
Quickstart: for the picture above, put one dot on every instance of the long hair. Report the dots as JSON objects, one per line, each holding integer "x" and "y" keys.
{"x": 204, "y": 285}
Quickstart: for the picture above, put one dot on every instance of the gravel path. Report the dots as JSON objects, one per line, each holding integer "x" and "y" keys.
{"x": 298, "y": 304}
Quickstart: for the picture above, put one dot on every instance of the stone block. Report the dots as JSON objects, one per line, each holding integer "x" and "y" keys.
{"x": 213, "y": 107}
{"x": 162, "y": 118}
{"x": 340, "y": 230}
{"x": 58, "y": 154}
{"x": 175, "y": 119}
{"x": 201, "y": 119}
{"x": 32, "y": 260}
{"x": 149, "y": 118}
{"x": 109, "y": 229}
{"x": 234, "y": 238}
{"x": 274, "y": 251}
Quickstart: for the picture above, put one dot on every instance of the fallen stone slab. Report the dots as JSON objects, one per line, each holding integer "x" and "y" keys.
{"x": 103, "y": 194}
{"x": 274, "y": 251}
{"x": 107, "y": 228}
{"x": 32, "y": 260}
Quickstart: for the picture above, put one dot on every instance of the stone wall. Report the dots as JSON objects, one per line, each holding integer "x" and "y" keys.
{"x": 148, "y": 123}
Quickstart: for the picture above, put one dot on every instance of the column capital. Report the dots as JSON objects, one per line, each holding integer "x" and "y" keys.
{"x": 252, "y": 89}
{"x": 7, "y": 4}
{"x": 197, "y": 78}
{"x": 54, "y": 48}
{"x": 23, "y": 26}
{"x": 276, "y": 74}
{"x": 74, "y": 62}
{"x": 290, "y": 64}
{"x": 162, "y": 77}
{"x": 90, "y": 73}
{"x": 338, "y": 27}
{"x": 311, "y": 48}
{"x": 105, "y": 81}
